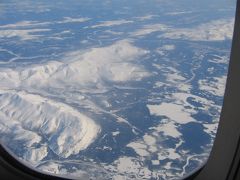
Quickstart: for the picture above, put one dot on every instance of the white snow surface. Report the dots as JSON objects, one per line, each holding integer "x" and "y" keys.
{"x": 150, "y": 28}
{"x": 89, "y": 69}
{"x": 30, "y": 114}
{"x": 66, "y": 130}
{"x": 216, "y": 30}
{"x": 175, "y": 112}
{"x": 112, "y": 23}
{"x": 215, "y": 86}
{"x": 23, "y": 34}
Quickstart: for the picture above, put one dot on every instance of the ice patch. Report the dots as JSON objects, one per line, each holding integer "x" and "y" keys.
{"x": 112, "y": 23}
{"x": 23, "y": 34}
{"x": 73, "y": 20}
{"x": 168, "y": 128}
{"x": 168, "y": 47}
{"x": 115, "y": 133}
{"x": 139, "y": 147}
{"x": 175, "y": 112}
{"x": 143, "y": 18}
{"x": 148, "y": 29}
{"x": 220, "y": 59}
{"x": 217, "y": 30}
{"x": 215, "y": 86}
{"x": 33, "y": 24}
{"x": 129, "y": 168}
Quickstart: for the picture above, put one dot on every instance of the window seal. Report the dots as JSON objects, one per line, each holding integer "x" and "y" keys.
{"x": 224, "y": 159}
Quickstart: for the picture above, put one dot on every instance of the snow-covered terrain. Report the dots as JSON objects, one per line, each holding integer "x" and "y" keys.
{"x": 113, "y": 89}
{"x": 50, "y": 123}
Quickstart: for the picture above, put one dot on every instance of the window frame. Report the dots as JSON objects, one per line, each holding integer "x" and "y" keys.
{"x": 224, "y": 159}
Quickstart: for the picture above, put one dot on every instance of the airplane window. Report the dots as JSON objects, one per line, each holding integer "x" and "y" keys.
{"x": 116, "y": 89}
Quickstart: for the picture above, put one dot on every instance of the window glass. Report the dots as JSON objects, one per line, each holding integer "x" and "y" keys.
{"x": 99, "y": 89}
